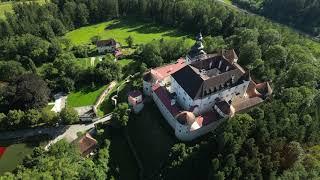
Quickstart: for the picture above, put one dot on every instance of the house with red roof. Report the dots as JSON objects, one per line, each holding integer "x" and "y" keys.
{"x": 135, "y": 100}
{"x": 107, "y": 46}
{"x": 86, "y": 144}
{"x": 196, "y": 93}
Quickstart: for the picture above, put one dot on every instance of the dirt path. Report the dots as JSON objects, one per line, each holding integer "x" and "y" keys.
{"x": 104, "y": 95}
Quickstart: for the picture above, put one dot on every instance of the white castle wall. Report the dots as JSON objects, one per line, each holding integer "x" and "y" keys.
{"x": 183, "y": 98}
{"x": 164, "y": 111}
{"x": 147, "y": 88}
{"x": 183, "y": 132}
{"x": 205, "y": 104}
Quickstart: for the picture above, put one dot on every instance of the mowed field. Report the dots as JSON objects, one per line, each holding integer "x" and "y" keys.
{"x": 7, "y": 7}
{"x": 120, "y": 29}
{"x": 84, "y": 97}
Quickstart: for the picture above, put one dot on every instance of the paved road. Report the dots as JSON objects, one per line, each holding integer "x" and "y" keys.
{"x": 71, "y": 132}
{"x": 58, "y": 133}
{"x": 25, "y": 133}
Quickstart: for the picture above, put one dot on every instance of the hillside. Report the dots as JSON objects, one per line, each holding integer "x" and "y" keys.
{"x": 7, "y": 6}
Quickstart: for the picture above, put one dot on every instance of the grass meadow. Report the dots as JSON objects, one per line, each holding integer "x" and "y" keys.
{"x": 120, "y": 29}
{"x": 84, "y": 97}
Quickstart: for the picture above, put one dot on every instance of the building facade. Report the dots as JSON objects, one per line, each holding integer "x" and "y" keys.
{"x": 107, "y": 46}
{"x": 197, "y": 93}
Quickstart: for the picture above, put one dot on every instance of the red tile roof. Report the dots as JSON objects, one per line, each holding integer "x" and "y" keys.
{"x": 164, "y": 71}
{"x": 87, "y": 144}
{"x": 164, "y": 97}
{"x": 210, "y": 117}
{"x": 247, "y": 103}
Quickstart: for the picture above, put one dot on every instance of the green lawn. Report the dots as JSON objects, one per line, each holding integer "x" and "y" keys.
{"x": 121, "y": 29}
{"x": 152, "y": 137}
{"x": 124, "y": 62}
{"x": 107, "y": 106}
{"x": 84, "y": 97}
{"x": 7, "y": 7}
{"x": 228, "y": 1}
{"x": 86, "y": 62}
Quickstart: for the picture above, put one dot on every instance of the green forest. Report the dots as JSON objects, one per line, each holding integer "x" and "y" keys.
{"x": 277, "y": 140}
{"x": 301, "y": 14}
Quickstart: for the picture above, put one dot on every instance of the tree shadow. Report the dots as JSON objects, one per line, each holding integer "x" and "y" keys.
{"x": 145, "y": 27}
{"x": 86, "y": 89}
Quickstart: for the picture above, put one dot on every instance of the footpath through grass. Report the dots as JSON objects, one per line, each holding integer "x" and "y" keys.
{"x": 120, "y": 29}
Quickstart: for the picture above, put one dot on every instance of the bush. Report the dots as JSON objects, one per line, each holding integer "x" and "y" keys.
{"x": 69, "y": 116}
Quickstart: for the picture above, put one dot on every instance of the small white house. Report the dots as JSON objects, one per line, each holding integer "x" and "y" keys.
{"x": 135, "y": 101}
{"x": 107, "y": 46}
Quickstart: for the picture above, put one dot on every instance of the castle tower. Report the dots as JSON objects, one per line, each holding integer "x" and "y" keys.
{"x": 197, "y": 49}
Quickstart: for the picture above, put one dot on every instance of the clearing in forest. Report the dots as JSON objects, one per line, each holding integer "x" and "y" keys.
{"x": 120, "y": 29}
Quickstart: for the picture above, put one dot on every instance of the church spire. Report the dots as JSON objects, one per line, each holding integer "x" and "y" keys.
{"x": 197, "y": 49}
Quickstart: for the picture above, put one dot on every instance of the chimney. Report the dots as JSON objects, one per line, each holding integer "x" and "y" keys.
{"x": 220, "y": 63}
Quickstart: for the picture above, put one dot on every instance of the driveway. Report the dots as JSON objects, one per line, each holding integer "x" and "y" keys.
{"x": 59, "y": 103}
{"x": 71, "y": 132}
{"x": 67, "y": 132}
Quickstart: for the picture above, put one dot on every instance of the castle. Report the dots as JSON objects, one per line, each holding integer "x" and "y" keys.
{"x": 198, "y": 92}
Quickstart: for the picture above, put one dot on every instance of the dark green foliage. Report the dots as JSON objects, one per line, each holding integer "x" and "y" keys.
{"x": 69, "y": 116}
{"x": 26, "y": 92}
{"x": 302, "y": 14}
{"x": 62, "y": 161}
{"x": 27, "y": 45}
{"x": 266, "y": 144}
{"x": 10, "y": 70}
{"x": 95, "y": 39}
{"x": 15, "y": 119}
{"x": 120, "y": 114}
{"x": 250, "y": 55}
{"x": 107, "y": 71}
{"x": 156, "y": 53}
{"x": 214, "y": 44}
{"x": 130, "y": 41}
